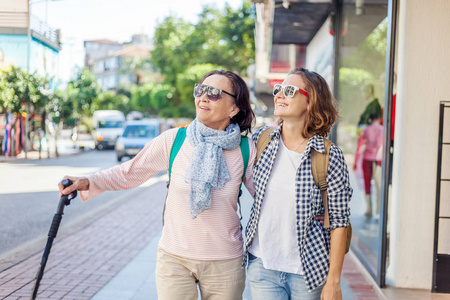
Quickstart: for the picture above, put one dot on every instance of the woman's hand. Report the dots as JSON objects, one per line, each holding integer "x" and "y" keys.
{"x": 79, "y": 183}
{"x": 320, "y": 218}
{"x": 331, "y": 291}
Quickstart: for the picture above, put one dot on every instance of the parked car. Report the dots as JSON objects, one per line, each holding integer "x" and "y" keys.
{"x": 108, "y": 126}
{"x": 135, "y": 135}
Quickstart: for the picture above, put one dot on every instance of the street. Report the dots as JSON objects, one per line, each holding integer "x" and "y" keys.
{"x": 29, "y": 197}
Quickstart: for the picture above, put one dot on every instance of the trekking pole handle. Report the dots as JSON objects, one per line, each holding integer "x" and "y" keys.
{"x": 66, "y": 183}
{"x": 64, "y": 201}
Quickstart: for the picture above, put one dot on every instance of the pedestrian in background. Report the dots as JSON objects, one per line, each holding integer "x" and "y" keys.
{"x": 291, "y": 255}
{"x": 370, "y": 144}
{"x": 201, "y": 243}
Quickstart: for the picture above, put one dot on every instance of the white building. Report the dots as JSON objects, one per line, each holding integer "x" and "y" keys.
{"x": 116, "y": 64}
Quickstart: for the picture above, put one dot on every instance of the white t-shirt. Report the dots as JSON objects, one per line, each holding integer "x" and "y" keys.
{"x": 277, "y": 246}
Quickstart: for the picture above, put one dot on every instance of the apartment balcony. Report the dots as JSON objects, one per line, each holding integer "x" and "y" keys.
{"x": 45, "y": 33}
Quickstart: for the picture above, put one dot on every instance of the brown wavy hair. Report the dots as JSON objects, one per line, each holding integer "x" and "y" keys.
{"x": 245, "y": 116}
{"x": 322, "y": 108}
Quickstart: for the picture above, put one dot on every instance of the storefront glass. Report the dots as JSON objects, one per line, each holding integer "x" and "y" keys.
{"x": 360, "y": 130}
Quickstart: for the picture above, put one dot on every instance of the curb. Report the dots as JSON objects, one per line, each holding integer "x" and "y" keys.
{"x": 34, "y": 155}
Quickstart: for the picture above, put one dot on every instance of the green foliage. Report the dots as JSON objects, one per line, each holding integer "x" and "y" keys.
{"x": 62, "y": 106}
{"x": 112, "y": 100}
{"x": 228, "y": 37}
{"x": 370, "y": 55}
{"x": 173, "y": 47}
{"x": 362, "y": 75}
{"x": 152, "y": 98}
{"x": 141, "y": 68}
{"x": 184, "y": 52}
{"x": 352, "y": 97}
{"x": 221, "y": 37}
{"x": 19, "y": 89}
{"x": 86, "y": 90}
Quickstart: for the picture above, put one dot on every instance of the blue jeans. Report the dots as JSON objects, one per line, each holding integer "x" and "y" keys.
{"x": 270, "y": 285}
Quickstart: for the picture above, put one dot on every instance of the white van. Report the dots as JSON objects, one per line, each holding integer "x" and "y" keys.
{"x": 108, "y": 126}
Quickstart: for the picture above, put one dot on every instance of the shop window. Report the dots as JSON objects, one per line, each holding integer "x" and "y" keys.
{"x": 286, "y": 57}
{"x": 360, "y": 130}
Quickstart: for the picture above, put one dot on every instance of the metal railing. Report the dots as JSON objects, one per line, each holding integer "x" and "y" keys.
{"x": 41, "y": 27}
{"x": 441, "y": 261}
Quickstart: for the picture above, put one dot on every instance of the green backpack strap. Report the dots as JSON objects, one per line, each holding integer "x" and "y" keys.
{"x": 179, "y": 140}
{"x": 245, "y": 151}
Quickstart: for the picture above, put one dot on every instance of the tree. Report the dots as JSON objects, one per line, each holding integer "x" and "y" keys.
{"x": 174, "y": 47}
{"x": 112, "y": 100}
{"x": 85, "y": 92}
{"x": 183, "y": 51}
{"x": 62, "y": 106}
{"x": 222, "y": 37}
{"x": 228, "y": 37}
{"x": 139, "y": 67}
{"x": 153, "y": 99}
{"x": 19, "y": 89}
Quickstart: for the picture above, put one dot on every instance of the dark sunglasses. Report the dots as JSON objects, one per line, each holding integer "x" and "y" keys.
{"x": 212, "y": 93}
{"x": 288, "y": 90}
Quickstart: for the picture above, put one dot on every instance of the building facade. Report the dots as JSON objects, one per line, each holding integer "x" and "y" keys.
{"x": 115, "y": 64}
{"x": 28, "y": 42}
{"x": 32, "y": 45}
{"x": 387, "y": 64}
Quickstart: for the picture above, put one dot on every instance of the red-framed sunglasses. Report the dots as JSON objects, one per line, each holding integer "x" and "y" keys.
{"x": 288, "y": 90}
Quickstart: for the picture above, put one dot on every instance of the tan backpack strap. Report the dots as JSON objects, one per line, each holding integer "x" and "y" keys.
{"x": 263, "y": 141}
{"x": 319, "y": 166}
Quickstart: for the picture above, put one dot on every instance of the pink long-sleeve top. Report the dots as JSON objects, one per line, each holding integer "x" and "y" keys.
{"x": 369, "y": 142}
{"x": 373, "y": 137}
{"x": 215, "y": 233}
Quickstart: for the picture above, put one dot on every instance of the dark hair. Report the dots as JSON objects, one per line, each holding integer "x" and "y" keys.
{"x": 322, "y": 107}
{"x": 245, "y": 116}
{"x": 374, "y": 116}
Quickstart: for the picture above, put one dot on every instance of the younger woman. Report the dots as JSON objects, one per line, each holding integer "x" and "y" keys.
{"x": 291, "y": 254}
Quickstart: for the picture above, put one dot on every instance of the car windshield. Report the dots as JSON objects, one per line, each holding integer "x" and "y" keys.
{"x": 140, "y": 131}
{"x": 110, "y": 124}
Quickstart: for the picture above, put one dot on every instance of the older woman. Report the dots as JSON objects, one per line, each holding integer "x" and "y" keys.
{"x": 290, "y": 252}
{"x": 201, "y": 242}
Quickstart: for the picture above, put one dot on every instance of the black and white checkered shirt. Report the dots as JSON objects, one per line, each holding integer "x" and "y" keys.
{"x": 313, "y": 239}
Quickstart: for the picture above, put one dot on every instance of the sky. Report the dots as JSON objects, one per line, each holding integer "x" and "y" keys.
{"x": 116, "y": 20}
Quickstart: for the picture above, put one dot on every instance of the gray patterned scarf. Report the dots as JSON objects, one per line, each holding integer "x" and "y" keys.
{"x": 208, "y": 169}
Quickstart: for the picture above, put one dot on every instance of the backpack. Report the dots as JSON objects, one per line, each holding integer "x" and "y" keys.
{"x": 179, "y": 140}
{"x": 319, "y": 167}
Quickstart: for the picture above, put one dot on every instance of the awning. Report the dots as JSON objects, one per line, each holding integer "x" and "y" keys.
{"x": 297, "y": 21}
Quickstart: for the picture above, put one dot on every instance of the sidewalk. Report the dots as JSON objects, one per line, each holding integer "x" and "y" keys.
{"x": 112, "y": 256}
{"x": 65, "y": 147}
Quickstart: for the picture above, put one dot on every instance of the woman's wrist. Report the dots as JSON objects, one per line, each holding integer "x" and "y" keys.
{"x": 334, "y": 280}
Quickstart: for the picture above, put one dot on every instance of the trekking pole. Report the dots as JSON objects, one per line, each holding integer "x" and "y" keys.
{"x": 64, "y": 201}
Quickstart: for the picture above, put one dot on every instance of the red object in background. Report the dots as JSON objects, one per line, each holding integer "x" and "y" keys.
{"x": 393, "y": 116}
{"x": 272, "y": 82}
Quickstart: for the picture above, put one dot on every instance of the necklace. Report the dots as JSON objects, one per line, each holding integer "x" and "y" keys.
{"x": 300, "y": 145}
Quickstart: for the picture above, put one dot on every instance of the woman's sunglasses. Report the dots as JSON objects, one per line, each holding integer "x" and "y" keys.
{"x": 212, "y": 93}
{"x": 288, "y": 90}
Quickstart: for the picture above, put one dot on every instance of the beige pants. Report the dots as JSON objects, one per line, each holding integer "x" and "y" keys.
{"x": 177, "y": 278}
